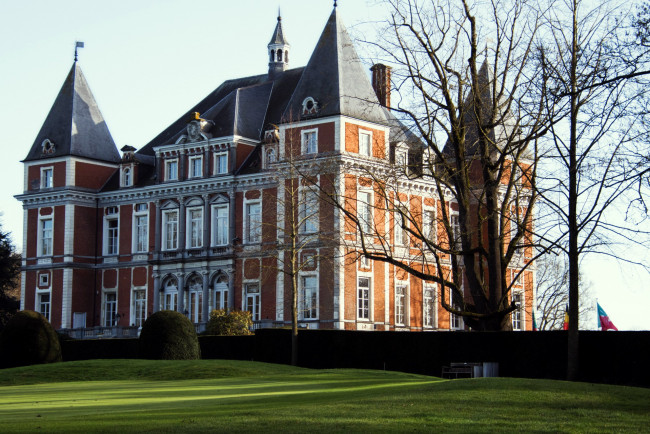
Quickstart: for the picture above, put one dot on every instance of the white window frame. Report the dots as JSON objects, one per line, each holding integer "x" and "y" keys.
{"x": 429, "y": 301}
{"x": 270, "y": 157}
{"x": 455, "y": 321}
{"x": 109, "y": 320}
{"x": 365, "y": 261}
{"x": 40, "y": 303}
{"x": 171, "y": 175}
{"x": 401, "y": 304}
{"x": 169, "y": 299}
{"x": 365, "y": 211}
{"x": 517, "y": 315}
{"x": 127, "y": 177}
{"x": 170, "y": 239}
{"x": 111, "y": 249}
{"x": 253, "y": 227}
{"x": 252, "y": 299}
{"x": 308, "y": 300}
{"x": 221, "y": 163}
{"x": 194, "y": 227}
{"x": 194, "y": 299}
{"x": 308, "y": 211}
{"x": 364, "y": 299}
{"x": 365, "y": 149}
{"x": 138, "y": 306}
{"x": 454, "y": 223}
{"x": 309, "y": 146}
{"x": 45, "y": 237}
{"x": 401, "y": 234}
{"x": 220, "y": 292}
{"x": 47, "y": 181}
{"x": 430, "y": 224}
{"x": 44, "y": 279}
{"x": 195, "y": 166}
{"x": 220, "y": 224}
{"x": 140, "y": 231}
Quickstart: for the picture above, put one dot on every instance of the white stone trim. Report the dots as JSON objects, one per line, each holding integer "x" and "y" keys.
{"x": 66, "y": 300}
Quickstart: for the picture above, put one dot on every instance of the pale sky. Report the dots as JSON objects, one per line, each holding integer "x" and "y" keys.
{"x": 147, "y": 62}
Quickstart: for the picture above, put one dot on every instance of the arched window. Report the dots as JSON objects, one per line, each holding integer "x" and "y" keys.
{"x": 286, "y": 56}
{"x": 126, "y": 177}
{"x": 169, "y": 299}
{"x": 272, "y": 58}
{"x": 221, "y": 293}
{"x": 279, "y": 55}
{"x": 270, "y": 157}
{"x": 195, "y": 304}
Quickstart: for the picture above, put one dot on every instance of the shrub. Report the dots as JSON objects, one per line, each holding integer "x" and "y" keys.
{"x": 169, "y": 335}
{"x": 28, "y": 339}
{"x": 233, "y": 323}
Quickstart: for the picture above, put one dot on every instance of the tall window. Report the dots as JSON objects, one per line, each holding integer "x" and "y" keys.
{"x": 170, "y": 295}
{"x": 138, "y": 307}
{"x": 253, "y": 300}
{"x": 363, "y": 298}
{"x": 454, "y": 222}
{"x": 430, "y": 225}
{"x": 46, "y": 235}
{"x": 220, "y": 225}
{"x": 221, "y": 163}
{"x": 112, "y": 235}
{"x": 428, "y": 305}
{"x": 140, "y": 228}
{"x": 455, "y": 321}
{"x": 401, "y": 234}
{"x": 194, "y": 228}
{"x": 110, "y": 309}
{"x": 46, "y": 177}
{"x": 516, "y": 314}
{"x": 400, "y": 305}
{"x": 310, "y": 141}
{"x": 308, "y": 211}
{"x": 196, "y": 166}
{"x": 221, "y": 293}
{"x": 170, "y": 230}
{"x": 309, "y": 298}
{"x": 43, "y": 304}
{"x": 127, "y": 179}
{"x": 364, "y": 144}
{"x": 195, "y": 299}
{"x": 171, "y": 170}
{"x": 364, "y": 207}
{"x": 253, "y": 222}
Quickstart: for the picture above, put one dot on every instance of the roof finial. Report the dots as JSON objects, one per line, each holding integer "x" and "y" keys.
{"x": 279, "y": 14}
{"x": 334, "y": 3}
{"x": 78, "y": 44}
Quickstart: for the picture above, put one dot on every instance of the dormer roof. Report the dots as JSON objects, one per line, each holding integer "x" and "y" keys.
{"x": 75, "y": 126}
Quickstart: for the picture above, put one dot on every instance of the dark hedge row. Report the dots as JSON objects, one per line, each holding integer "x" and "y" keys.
{"x": 605, "y": 357}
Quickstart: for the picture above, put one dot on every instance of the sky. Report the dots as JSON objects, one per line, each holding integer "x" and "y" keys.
{"x": 147, "y": 62}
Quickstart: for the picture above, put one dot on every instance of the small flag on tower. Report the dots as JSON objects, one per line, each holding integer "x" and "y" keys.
{"x": 604, "y": 323}
{"x": 77, "y": 45}
{"x": 566, "y": 319}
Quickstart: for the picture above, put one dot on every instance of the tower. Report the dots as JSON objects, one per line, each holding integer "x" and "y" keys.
{"x": 278, "y": 50}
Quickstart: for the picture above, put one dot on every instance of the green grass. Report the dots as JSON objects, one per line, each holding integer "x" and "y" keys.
{"x": 227, "y": 396}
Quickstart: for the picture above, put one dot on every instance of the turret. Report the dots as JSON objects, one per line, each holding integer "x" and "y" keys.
{"x": 278, "y": 50}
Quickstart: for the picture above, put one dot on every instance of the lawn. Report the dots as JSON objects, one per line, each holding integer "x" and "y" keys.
{"x": 217, "y": 396}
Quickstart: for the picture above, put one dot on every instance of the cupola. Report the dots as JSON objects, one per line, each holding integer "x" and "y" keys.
{"x": 278, "y": 50}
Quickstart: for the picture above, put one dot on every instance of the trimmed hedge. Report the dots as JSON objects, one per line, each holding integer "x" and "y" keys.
{"x": 28, "y": 339}
{"x": 169, "y": 335}
{"x": 233, "y": 323}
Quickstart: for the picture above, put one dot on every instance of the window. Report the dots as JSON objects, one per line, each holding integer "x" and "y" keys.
{"x": 194, "y": 228}
{"x": 170, "y": 295}
{"x": 517, "y": 322}
{"x": 46, "y": 177}
{"x": 363, "y": 298}
{"x": 220, "y": 225}
{"x": 401, "y": 234}
{"x": 127, "y": 179}
{"x": 221, "y": 163}
{"x": 140, "y": 228}
{"x": 310, "y": 141}
{"x": 138, "y": 307}
{"x": 195, "y": 305}
{"x": 171, "y": 170}
{"x": 365, "y": 139}
{"x": 196, "y": 166}
{"x": 365, "y": 261}
{"x": 308, "y": 211}
{"x": 429, "y": 305}
{"x": 44, "y": 279}
{"x": 454, "y": 222}
{"x": 364, "y": 207}
{"x": 221, "y": 293}
{"x": 309, "y": 298}
{"x": 429, "y": 225}
{"x": 110, "y": 309}
{"x": 400, "y": 305}
{"x": 270, "y": 157}
{"x": 455, "y": 321}
{"x": 43, "y": 304}
{"x": 253, "y": 222}
{"x": 400, "y": 159}
{"x": 170, "y": 230}
{"x": 46, "y": 237}
{"x": 253, "y": 300}
{"x": 111, "y": 236}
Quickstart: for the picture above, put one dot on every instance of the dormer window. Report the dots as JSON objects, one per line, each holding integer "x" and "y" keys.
{"x": 365, "y": 141}
{"x": 46, "y": 177}
{"x": 270, "y": 157}
{"x": 309, "y": 106}
{"x": 196, "y": 166}
{"x": 221, "y": 163}
{"x": 171, "y": 170}
{"x": 310, "y": 141}
{"x": 127, "y": 177}
{"x": 48, "y": 147}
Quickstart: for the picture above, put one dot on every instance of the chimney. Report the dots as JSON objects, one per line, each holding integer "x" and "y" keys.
{"x": 381, "y": 83}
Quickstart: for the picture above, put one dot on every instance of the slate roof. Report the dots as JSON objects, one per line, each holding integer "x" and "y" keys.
{"x": 336, "y": 79}
{"x": 75, "y": 125}
{"x": 278, "y": 35}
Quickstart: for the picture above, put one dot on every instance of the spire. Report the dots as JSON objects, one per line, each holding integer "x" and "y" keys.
{"x": 335, "y": 81}
{"x": 74, "y": 126}
{"x": 278, "y": 50}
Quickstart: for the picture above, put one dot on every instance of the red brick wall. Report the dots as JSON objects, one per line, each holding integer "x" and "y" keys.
{"x": 93, "y": 176}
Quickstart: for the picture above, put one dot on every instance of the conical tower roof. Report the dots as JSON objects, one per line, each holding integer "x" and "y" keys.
{"x": 74, "y": 126}
{"x": 336, "y": 79}
{"x": 278, "y": 35}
